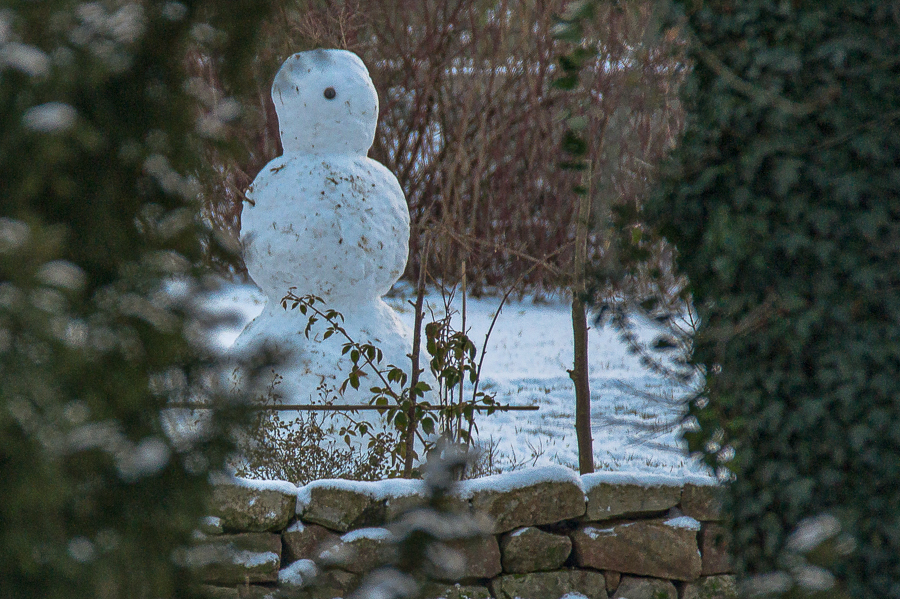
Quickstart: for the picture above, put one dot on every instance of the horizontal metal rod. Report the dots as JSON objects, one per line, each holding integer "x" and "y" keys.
{"x": 348, "y": 407}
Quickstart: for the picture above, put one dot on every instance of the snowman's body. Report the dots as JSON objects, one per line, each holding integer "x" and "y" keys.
{"x": 324, "y": 219}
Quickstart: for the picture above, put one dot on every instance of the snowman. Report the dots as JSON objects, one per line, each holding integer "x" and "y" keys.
{"x": 324, "y": 219}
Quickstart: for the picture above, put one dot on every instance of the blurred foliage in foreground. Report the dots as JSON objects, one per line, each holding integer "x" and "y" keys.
{"x": 99, "y": 319}
{"x": 784, "y": 203}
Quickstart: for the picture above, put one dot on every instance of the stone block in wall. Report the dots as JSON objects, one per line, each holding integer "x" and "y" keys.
{"x": 339, "y": 505}
{"x": 477, "y": 557}
{"x": 714, "y": 547}
{"x": 456, "y": 591}
{"x": 481, "y": 556}
{"x": 527, "y": 498}
{"x": 533, "y": 550}
{"x": 658, "y": 548}
{"x": 612, "y": 580}
{"x": 267, "y": 506}
{"x": 549, "y": 585}
{"x": 711, "y": 587}
{"x": 633, "y": 587}
{"x": 612, "y": 494}
{"x": 329, "y": 584}
{"x": 306, "y": 541}
{"x": 361, "y": 550}
{"x": 702, "y": 502}
{"x": 235, "y": 559}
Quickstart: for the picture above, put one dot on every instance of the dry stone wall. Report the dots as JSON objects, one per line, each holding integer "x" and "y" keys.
{"x": 552, "y": 533}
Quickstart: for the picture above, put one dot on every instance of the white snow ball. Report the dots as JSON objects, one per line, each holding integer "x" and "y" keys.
{"x": 149, "y": 457}
{"x": 61, "y": 273}
{"x": 811, "y": 532}
{"x": 127, "y": 24}
{"x": 764, "y": 585}
{"x": 13, "y": 234}
{"x": 174, "y": 11}
{"x": 326, "y": 103}
{"x": 27, "y": 59}
{"x": 5, "y": 29}
{"x": 814, "y": 578}
{"x": 81, "y": 550}
{"x": 52, "y": 117}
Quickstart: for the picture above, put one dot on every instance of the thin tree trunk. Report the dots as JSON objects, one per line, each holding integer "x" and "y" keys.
{"x": 409, "y": 454}
{"x": 579, "y": 372}
{"x": 579, "y": 375}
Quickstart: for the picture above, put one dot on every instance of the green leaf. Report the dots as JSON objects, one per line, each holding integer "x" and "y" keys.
{"x": 566, "y": 82}
{"x": 574, "y": 144}
{"x": 636, "y": 235}
{"x": 573, "y": 165}
{"x": 401, "y": 420}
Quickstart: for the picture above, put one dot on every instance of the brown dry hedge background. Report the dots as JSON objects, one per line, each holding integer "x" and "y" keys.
{"x": 472, "y": 126}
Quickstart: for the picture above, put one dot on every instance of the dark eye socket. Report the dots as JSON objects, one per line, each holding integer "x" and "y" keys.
{"x": 330, "y": 93}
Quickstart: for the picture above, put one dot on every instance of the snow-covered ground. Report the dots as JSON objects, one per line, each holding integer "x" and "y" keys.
{"x": 526, "y": 361}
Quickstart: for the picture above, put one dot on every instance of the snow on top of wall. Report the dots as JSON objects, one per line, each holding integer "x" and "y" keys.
{"x": 519, "y": 479}
{"x": 701, "y": 480}
{"x": 643, "y": 479}
{"x": 385, "y": 490}
{"x": 259, "y": 485}
{"x": 398, "y": 487}
{"x": 382, "y": 490}
{"x": 683, "y": 522}
{"x": 304, "y": 493}
{"x": 374, "y": 534}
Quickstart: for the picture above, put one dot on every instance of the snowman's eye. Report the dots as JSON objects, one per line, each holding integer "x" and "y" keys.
{"x": 330, "y": 93}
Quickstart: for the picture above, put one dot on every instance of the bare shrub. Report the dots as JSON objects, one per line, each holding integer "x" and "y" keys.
{"x": 306, "y": 448}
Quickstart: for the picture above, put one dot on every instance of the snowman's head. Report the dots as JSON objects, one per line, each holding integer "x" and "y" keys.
{"x": 326, "y": 103}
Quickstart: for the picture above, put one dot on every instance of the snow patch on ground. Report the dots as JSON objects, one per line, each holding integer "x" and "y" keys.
{"x": 633, "y": 411}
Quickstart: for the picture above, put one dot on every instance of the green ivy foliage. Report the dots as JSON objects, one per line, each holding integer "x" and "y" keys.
{"x": 783, "y": 200}
{"x": 100, "y": 129}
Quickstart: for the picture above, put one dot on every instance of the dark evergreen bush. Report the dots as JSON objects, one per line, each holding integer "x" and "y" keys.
{"x": 99, "y": 137}
{"x": 784, "y": 203}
